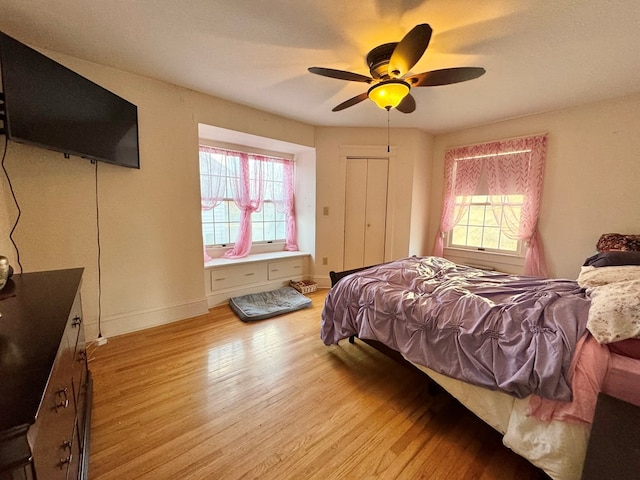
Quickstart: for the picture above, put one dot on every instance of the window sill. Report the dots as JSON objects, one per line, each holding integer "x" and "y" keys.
{"x": 500, "y": 261}
{"x": 256, "y": 257}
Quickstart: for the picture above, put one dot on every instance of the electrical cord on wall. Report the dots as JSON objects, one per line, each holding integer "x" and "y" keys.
{"x": 100, "y": 340}
{"x": 15, "y": 200}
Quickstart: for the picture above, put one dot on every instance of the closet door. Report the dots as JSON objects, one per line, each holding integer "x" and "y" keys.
{"x": 365, "y": 211}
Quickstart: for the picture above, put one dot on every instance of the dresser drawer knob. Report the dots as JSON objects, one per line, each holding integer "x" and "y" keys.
{"x": 76, "y": 321}
{"x": 65, "y": 461}
{"x": 62, "y": 404}
{"x": 66, "y": 445}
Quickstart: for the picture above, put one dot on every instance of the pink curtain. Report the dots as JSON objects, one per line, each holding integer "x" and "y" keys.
{"x": 461, "y": 174}
{"x": 514, "y": 166}
{"x": 288, "y": 201}
{"x": 212, "y": 173}
{"x": 252, "y": 179}
{"x": 520, "y": 171}
{"x": 247, "y": 189}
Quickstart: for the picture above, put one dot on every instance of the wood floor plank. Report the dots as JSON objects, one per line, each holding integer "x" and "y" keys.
{"x": 215, "y": 398}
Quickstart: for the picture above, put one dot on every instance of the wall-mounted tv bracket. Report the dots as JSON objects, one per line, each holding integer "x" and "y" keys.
{"x": 2, "y": 115}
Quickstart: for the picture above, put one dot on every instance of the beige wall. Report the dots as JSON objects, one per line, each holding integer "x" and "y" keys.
{"x": 152, "y": 269}
{"x": 151, "y": 242}
{"x": 410, "y": 167}
{"x": 592, "y": 177}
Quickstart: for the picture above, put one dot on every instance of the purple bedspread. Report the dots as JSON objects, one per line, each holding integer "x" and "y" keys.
{"x": 512, "y": 333}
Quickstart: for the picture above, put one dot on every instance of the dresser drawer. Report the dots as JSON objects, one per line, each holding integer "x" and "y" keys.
{"x": 286, "y": 268}
{"x": 237, "y": 276}
{"x": 55, "y": 424}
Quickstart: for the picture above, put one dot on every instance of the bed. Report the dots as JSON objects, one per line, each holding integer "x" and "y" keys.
{"x": 517, "y": 351}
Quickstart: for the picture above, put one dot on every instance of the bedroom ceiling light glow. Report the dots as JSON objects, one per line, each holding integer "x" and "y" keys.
{"x": 389, "y": 94}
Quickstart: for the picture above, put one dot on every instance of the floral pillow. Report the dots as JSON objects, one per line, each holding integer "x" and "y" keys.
{"x": 618, "y": 241}
{"x": 614, "y": 313}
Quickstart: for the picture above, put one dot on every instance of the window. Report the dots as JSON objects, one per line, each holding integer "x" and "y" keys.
{"x": 491, "y": 199}
{"x": 482, "y": 225}
{"x": 246, "y": 199}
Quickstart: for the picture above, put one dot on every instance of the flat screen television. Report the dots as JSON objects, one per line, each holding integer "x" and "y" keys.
{"x": 48, "y": 105}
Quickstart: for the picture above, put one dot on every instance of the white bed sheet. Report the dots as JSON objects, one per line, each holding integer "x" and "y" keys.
{"x": 556, "y": 447}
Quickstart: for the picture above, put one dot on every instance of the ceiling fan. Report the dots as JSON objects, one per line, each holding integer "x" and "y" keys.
{"x": 389, "y": 65}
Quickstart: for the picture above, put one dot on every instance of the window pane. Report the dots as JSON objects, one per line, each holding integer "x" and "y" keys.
{"x": 491, "y": 237}
{"x": 234, "y": 228}
{"x": 269, "y": 210}
{"x": 269, "y": 231}
{"x": 207, "y": 215}
{"x": 493, "y": 216}
{"x": 207, "y": 234}
{"x": 280, "y": 230}
{"x": 257, "y": 234}
{"x": 234, "y": 213}
{"x": 459, "y": 236}
{"x": 474, "y": 236}
{"x": 221, "y": 212}
{"x": 221, "y": 234}
{"x": 507, "y": 243}
{"x": 476, "y": 215}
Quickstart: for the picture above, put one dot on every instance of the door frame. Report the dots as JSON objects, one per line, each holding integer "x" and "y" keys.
{"x": 375, "y": 151}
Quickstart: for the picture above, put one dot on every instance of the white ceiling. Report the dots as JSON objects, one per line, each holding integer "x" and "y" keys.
{"x": 540, "y": 55}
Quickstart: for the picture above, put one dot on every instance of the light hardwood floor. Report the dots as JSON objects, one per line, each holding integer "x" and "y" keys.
{"x": 215, "y": 398}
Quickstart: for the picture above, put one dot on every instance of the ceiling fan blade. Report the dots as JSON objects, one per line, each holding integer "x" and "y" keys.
{"x": 340, "y": 74}
{"x": 445, "y": 76}
{"x": 409, "y": 50}
{"x": 407, "y": 105}
{"x": 351, "y": 102}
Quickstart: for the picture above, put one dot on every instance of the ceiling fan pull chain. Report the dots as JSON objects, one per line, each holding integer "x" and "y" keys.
{"x": 388, "y": 147}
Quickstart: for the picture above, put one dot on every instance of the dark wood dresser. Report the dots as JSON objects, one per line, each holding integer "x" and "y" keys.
{"x": 45, "y": 384}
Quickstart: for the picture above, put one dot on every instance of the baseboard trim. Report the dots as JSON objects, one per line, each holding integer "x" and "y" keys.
{"x": 115, "y": 325}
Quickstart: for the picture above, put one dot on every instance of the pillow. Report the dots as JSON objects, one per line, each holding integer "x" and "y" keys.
{"x": 613, "y": 258}
{"x": 594, "y": 277}
{"x": 614, "y": 314}
{"x": 618, "y": 241}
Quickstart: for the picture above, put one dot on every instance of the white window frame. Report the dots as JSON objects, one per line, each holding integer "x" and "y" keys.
{"x": 519, "y": 252}
{"x": 230, "y": 202}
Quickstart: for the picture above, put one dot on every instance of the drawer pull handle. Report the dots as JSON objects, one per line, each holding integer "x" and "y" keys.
{"x": 65, "y": 461}
{"x": 76, "y": 321}
{"x": 274, "y": 270}
{"x": 63, "y": 404}
{"x": 82, "y": 355}
{"x": 248, "y": 274}
{"x": 219, "y": 279}
{"x": 66, "y": 445}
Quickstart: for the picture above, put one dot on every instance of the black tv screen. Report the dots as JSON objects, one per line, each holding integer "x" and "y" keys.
{"x": 49, "y": 105}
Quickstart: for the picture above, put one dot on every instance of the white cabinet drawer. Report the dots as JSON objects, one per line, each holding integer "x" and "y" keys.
{"x": 286, "y": 268}
{"x": 237, "y": 276}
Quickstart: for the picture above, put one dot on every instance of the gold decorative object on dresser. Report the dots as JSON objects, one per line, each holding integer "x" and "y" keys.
{"x": 45, "y": 406}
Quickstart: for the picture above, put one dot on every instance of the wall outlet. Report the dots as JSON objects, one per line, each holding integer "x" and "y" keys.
{"x": 101, "y": 341}
{"x": 325, "y": 211}
{"x": 325, "y": 261}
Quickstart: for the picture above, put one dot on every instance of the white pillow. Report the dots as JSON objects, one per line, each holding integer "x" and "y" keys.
{"x": 596, "y": 276}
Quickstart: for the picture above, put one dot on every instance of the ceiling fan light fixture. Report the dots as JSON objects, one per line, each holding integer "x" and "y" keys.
{"x": 389, "y": 94}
